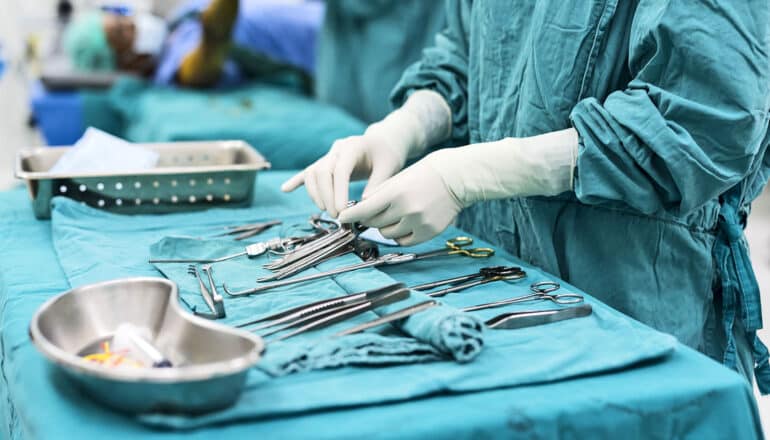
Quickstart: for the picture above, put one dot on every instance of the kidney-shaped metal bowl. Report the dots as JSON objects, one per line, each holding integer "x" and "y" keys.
{"x": 210, "y": 360}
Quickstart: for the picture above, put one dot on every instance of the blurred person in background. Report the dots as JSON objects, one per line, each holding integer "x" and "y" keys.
{"x": 364, "y": 47}
{"x": 207, "y": 42}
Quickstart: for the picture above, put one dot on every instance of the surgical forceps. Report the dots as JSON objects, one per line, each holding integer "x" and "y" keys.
{"x": 251, "y": 251}
{"x": 326, "y": 312}
{"x": 541, "y": 291}
{"x": 483, "y": 276}
{"x": 243, "y": 232}
{"x": 257, "y": 249}
{"x": 212, "y": 298}
{"x": 512, "y": 320}
{"x": 454, "y": 246}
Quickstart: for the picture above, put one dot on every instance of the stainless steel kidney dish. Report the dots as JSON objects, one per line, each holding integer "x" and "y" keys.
{"x": 210, "y": 361}
{"x": 189, "y": 175}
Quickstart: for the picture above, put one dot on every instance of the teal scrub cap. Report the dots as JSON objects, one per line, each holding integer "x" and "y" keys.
{"x": 86, "y": 43}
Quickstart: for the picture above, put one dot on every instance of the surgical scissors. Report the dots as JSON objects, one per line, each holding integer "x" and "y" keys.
{"x": 483, "y": 276}
{"x": 539, "y": 292}
{"x": 454, "y": 246}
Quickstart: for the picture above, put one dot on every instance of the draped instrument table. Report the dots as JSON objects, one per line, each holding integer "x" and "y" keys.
{"x": 682, "y": 395}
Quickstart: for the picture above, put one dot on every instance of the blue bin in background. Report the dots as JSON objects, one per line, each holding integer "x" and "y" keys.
{"x": 59, "y": 115}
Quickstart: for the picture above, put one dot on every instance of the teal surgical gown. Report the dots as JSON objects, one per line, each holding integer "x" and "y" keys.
{"x": 670, "y": 100}
{"x": 364, "y": 47}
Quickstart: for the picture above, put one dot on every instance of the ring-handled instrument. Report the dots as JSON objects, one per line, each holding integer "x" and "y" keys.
{"x": 251, "y": 251}
{"x": 483, "y": 276}
{"x": 541, "y": 291}
{"x": 514, "y": 320}
{"x": 274, "y": 245}
{"x": 328, "y": 246}
{"x": 455, "y": 246}
{"x": 326, "y": 312}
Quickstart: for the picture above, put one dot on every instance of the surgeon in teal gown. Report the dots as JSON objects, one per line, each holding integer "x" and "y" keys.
{"x": 364, "y": 47}
{"x": 616, "y": 144}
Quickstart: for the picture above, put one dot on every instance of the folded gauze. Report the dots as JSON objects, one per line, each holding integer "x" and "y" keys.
{"x": 101, "y": 152}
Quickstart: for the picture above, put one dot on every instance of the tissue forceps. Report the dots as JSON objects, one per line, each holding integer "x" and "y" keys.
{"x": 454, "y": 246}
{"x": 321, "y": 226}
{"x": 251, "y": 251}
{"x": 539, "y": 292}
{"x": 212, "y": 298}
{"x": 317, "y": 306}
{"x": 243, "y": 232}
{"x": 323, "y": 313}
{"x": 483, "y": 276}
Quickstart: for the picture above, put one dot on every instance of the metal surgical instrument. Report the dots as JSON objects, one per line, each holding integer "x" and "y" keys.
{"x": 243, "y": 232}
{"x": 540, "y": 292}
{"x": 324, "y": 313}
{"x": 514, "y": 320}
{"x": 317, "y": 306}
{"x": 212, "y": 298}
{"x": 390, "y": 317}
{"x": 251, "y": 251}
{"x": 483, "y": 276}
{"x": 455, "y": 246}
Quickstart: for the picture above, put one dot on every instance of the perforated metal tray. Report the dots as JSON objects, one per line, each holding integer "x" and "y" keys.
{"x": 189, "y": 176}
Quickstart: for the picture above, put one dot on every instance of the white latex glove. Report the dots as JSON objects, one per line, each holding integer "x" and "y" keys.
{"x": 382, "y": 151}
{"x": 421, "y": 201}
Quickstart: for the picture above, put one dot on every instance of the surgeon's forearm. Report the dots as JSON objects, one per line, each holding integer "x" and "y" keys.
{"x": 513, "y": 167}
{"x": 431, "y": 117}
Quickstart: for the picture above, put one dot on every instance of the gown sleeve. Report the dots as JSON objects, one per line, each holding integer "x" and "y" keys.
{"x": 444, "y": 69}
{"x": 691, "y": 122}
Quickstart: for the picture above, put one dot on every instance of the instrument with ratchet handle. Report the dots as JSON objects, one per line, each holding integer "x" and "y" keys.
{"x": 483, "y": 276}
{"x": 455, "y": 246}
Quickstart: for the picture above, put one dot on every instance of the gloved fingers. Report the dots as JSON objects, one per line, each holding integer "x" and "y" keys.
{"x": 311, "y": 185}
{"x": 390, "y": 215}
{"x": 396, "y": 230}
{"x": 341, "y": 180}
{"x": 407, "y": 240}
{"x": 418, "y": 235}
{"x": 380, "y": 173}
{"x": 366, "y": 209}
{"x": 326, "y": 190}
{"x": 294, "y": 182}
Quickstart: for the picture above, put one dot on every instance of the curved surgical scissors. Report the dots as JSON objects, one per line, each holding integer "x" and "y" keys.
{"x": 483, "y": 276}
{"x": 540, "y": 291}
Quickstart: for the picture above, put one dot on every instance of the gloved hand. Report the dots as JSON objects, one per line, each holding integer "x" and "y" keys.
{"x": 421, "y": 201}
{"x": 378, "y": 154}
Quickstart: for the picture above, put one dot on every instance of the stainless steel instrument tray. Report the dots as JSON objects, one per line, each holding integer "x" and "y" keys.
{"x": 189, "y": 176}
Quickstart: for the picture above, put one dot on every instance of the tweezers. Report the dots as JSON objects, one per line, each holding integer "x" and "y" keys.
{"x": 326, "y": 312}
{"x": 340, "y": 314}
{"x": 243, "y": 232}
